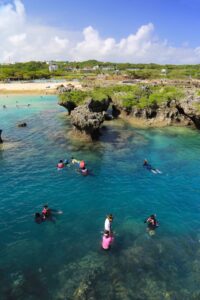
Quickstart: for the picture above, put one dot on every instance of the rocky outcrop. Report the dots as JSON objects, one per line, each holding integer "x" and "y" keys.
{"x": 99, "y": 106}
{"x": 87, "y": 121}
{"x": 69, "y": 105}
{"x": 190, "y": 109}
{"x": 1, "y": 141}
{"x": 63, "y": 89}
{"x": 184, "y": 112}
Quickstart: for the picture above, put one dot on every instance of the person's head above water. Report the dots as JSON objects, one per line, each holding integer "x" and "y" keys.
{"x": 145, "y": 161}
{"x": 37, "y": 215}
{"x": 46, "y": 206}
{"x": 61, "y": 161}
{"x": 153, "y": 216}
{"x": 110, "y": 217}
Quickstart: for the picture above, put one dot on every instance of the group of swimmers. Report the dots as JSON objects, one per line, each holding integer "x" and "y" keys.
{"x": 47, "y": 214}
{"x": 108, "y": 235}
{"x": 79, "y": 163}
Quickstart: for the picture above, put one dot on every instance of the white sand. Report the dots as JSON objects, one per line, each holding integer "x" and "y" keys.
{"x": 34, "y": 88}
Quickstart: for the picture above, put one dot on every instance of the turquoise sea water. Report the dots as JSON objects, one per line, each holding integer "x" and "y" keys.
{"x": 63, "y": 260}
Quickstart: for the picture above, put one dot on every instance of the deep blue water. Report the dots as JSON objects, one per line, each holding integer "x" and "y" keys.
{"x": 63, "y": 260}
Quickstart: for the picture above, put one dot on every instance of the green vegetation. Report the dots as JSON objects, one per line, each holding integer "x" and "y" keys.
{"x": 92, "y": 68}
{"x": 139, "y": 96}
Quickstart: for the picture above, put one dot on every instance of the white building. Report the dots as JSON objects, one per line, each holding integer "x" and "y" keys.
{"x": 164, "y": 71}
{"x": 53, "y": 67}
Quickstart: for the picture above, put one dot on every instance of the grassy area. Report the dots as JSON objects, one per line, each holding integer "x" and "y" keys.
{"x": 127, "y": 96}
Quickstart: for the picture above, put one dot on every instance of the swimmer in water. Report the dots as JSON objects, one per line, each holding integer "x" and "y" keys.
{"x": 46, "y": 212}
{"x": 108, "y": 223}
{"x": 107, "y": 240}
{"x": 150, "y": 168}
{"x": 60, "y": 165}
{"x": 38, "y": 218}
{"x": 152, "y": 224}
{"x": 75, "y": 161}
{"x": 84, "y": 171}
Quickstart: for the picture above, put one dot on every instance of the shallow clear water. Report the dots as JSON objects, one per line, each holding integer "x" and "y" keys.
{"x": 63, "y": 260}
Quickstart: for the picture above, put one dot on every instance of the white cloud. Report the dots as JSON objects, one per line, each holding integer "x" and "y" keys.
{"x": 21, "y": 40}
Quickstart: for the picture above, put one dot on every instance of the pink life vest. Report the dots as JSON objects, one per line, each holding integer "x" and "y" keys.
{"x": 106, "y": 242}
{"x": 60, "y": 165}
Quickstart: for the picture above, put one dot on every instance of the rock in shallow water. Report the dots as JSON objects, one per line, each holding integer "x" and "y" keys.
{"x": 87, "y": 121}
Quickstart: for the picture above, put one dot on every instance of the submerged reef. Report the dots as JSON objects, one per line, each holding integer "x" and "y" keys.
{"x": 149, "y": 268}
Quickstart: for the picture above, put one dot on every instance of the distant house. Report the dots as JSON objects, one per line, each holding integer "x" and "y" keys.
{"x": 163, "y": 71}
{"x": 108, "y": 69}
{"x": 53, "y": 67}
{"x": 95, "y": 68}
{"x": 133, "y": 69}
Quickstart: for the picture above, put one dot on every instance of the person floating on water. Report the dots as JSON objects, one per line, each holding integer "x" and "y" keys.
{"x": 84, "y": 171}
{"x": 75, "y": 161}
{"x": 107, "y": 240}
{"x": 38, "y": 218}
{"x": 66, "y": 163}
{"x": 150, "y": 168}
{"x": 108, "y": 223}
{"x": 152, "y": 224}
{"x": 47, "y": 214}
{"x": 60, "y": 165}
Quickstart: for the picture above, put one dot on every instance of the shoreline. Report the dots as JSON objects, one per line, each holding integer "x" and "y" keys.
{"x": 34, "y": 88}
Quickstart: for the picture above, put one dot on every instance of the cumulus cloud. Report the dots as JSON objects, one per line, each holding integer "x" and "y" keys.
{"x": 22, "y": 40}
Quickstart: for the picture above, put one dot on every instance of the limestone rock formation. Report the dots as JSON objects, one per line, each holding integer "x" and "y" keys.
{"x": 1, "y": 141}
{"x": 69, "y": 105}
{"x": 190, "y": 109}
{"x": 99, "y": 106}
{"x": 184, "y": 112}
{"x": 87, "y": 121}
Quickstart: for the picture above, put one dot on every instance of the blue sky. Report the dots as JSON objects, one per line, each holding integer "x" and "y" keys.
{"x": 163, "y": 31}
{"x": 175, "y": 20}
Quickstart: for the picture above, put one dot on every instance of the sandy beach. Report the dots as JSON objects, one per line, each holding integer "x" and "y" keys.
{"x": 36, "y": 88}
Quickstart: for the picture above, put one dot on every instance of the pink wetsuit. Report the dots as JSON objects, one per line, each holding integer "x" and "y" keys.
{"x": 106, "y": 242}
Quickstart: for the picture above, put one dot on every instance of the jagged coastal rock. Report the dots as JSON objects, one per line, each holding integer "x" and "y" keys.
{"x": 87, "y": 121}
{"x": 1, "y": 141}
{"x": 69, "y": 105}
{"x": 181, "y": 109}
{"x": 184, "y": 112}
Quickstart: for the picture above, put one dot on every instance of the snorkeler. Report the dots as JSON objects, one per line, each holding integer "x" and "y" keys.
{"x": 108, "y": 223}
{"x": 50, "y": 213}
{"x": 107, "y": 240}
{"x": 150, "y": 168}
{"x": 75, "y": 161}
{"x": 46, "y": 212}
{"x": 60, "y": 165}
{"x": 152, "y": 224}
{"x": 84, "y": 171}
{"x": 66, "y": 162}
{"x": 38, "y": 218}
